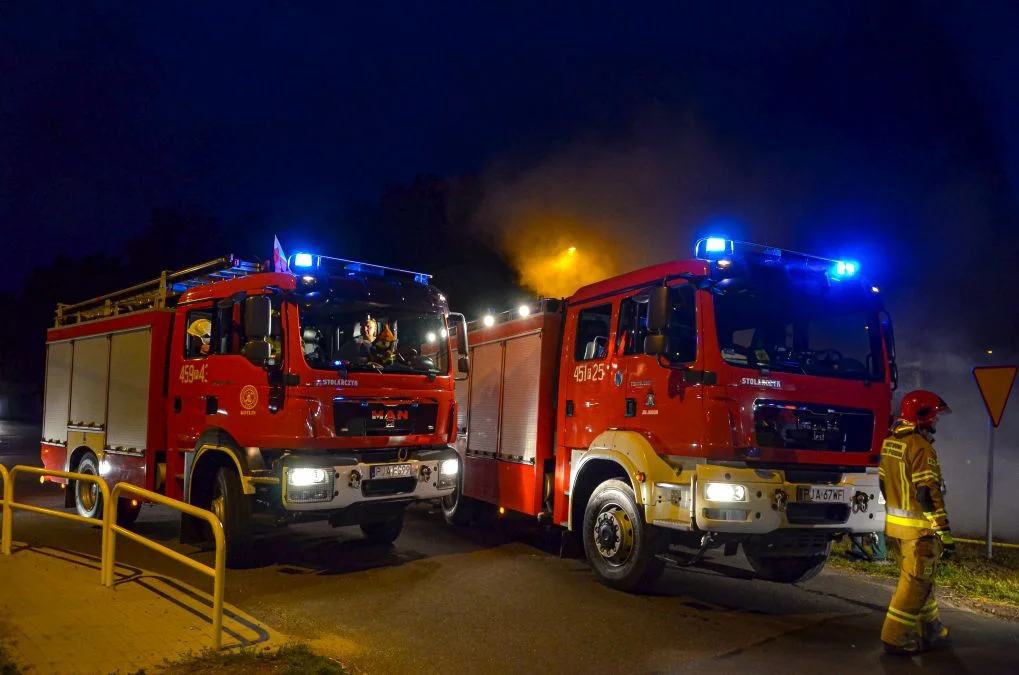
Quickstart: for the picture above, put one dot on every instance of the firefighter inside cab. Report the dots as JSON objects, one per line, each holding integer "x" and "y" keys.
{"x": 199, "y": 338}
{"x": 916, "y": 524}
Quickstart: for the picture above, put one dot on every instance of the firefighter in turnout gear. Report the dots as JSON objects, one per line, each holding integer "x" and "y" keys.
{"x": 916, "y": 524}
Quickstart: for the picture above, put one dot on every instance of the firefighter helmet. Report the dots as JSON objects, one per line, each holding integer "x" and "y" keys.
{"x": 201, "y": 328}
{"x": 921, "y": 407}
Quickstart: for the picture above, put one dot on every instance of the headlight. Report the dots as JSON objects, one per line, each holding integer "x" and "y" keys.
{"x": 725, "y": 492}
{"x": 305, "y": 477}
{"x": 449, "y": 467}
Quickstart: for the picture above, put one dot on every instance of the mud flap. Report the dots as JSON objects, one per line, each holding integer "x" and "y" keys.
{"x": 570, "y": 545}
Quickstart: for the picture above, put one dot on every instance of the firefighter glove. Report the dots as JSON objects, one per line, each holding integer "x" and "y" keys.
{"x": 947, "y": 544}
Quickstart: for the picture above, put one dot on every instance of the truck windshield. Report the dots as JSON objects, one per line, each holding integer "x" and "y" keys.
{"x": 830, "y": 334}
{"x": 375, "y": 339}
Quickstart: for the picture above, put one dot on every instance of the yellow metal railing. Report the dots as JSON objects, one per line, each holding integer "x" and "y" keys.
{"x": 9, "y": 505}
{"x": 218, "y": 573}
{"x": 110, "y": 530}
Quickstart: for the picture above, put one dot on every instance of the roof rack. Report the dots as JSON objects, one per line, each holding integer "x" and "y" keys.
{"x": 157, "y": 293}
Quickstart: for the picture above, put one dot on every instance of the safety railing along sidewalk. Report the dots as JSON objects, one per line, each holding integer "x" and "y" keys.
{"x": 110, "y": 529}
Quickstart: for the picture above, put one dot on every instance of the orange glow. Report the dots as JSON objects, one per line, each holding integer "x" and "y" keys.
{"x": 556, "y": 258}
{"x": 502, "y": 511}
{"x": 134, "y": 503}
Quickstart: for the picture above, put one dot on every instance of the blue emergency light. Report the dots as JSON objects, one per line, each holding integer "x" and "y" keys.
{"x": 711, "y": 248}
{"x": 303, "y": 260}
{"x": 846, "y": 269}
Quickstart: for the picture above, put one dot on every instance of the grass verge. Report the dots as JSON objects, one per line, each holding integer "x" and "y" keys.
{"x": 970, "y": 574}
{"x": 294, "y": 659}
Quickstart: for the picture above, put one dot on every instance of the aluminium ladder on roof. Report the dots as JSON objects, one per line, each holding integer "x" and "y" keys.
{"x": 155, "y": 294}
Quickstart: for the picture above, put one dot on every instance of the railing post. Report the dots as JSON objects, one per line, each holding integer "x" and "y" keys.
{"x": 218, "y": 583}
{"x": 109, "y": 517}
{"x": 6, "y": 520}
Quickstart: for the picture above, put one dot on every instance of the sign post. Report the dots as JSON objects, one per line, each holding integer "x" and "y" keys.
{"x": 995, "y": 384}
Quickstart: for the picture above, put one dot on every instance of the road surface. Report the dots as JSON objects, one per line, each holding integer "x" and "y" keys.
{"x": 496, "y": 599}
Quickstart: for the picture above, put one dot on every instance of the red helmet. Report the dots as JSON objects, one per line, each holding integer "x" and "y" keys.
{"x": 921, "y": 407}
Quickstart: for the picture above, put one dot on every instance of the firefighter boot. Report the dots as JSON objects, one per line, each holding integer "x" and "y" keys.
{"x": 934, "y": 632}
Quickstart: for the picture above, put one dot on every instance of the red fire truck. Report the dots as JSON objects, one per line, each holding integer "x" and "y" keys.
{"x": 739, "y": 398}
{"x": 247, "y": 390}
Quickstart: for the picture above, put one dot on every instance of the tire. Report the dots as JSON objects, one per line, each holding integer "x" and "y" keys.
{"x": 232, "y": 507}
{"x": 621, "y": 548}
{"x": 88, "y": 500}
{"x": 787, "y": 569}
{"x": 127, "y": 514}
{"x": 384, "y": 532}
{"x": 457, "y": 509}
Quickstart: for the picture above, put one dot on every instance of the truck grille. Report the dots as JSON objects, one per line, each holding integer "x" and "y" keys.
{"x": 383, "y": 418}
{"x": 811, "y": 426}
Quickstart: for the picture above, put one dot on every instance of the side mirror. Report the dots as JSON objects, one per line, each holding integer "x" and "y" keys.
{"x": 257, "y": 317}
{"x": 656, "y": 345}
{"x": 259, "y": 352}
{"x": 463, "y": 351}
{"x": 659, "y": 310}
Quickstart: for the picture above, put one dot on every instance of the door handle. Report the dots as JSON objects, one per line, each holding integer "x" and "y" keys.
{"x": 177, "y": 405}
{"x": 211, "y": 405}
{"x": 631, "y": 407}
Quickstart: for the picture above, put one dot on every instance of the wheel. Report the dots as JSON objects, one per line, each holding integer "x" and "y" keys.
{"x": 233, "y": 510}
{"x": 787, "y": 569}
{"x": 458, "y": 509}
{"x": 384, "y": 532}
{"x": 88, "y": 500}
{"x": 126, "y": 513}
{"x": 621, "y": 548}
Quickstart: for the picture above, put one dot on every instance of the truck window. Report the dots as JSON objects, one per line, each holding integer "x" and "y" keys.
{"x": 198, "y": 338}
{"x": 228, "y": 330}
{"x": 683, "y": 326}
{"x": 592, "y": 341}
{"x": 632, "y": 326}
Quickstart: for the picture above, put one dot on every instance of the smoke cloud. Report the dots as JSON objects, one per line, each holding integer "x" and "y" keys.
{"x": 628, "y": 202}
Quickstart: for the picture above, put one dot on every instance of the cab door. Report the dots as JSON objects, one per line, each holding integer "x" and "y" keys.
{"x": 190, "y": 376}
{"x": 659, "y": 401}
{"x": 588, "y": 375}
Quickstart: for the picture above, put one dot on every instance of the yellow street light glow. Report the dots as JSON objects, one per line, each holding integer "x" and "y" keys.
{"x": 488, "y": 320}
{"x": 524, "y": 310}
{"x": 572, "y": 249}
{"x": 990, "y": 351}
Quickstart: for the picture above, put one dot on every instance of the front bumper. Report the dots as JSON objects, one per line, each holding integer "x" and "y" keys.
{"x": 769, "y": 503}
{"x": 348, "y": 481}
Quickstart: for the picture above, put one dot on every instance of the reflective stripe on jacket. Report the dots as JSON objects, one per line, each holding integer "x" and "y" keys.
{"x": 909, "y": 469}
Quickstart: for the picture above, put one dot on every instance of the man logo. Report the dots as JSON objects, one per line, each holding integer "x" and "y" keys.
{"x": 649, "y": 400}
{"x": 390, "y": 417}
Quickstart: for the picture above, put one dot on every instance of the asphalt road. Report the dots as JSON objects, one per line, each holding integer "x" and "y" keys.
{"x": 495, "y": 598}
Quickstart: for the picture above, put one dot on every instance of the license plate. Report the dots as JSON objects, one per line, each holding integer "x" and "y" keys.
{"x": 382, "y": 471}
{"x": 822, "y": 494}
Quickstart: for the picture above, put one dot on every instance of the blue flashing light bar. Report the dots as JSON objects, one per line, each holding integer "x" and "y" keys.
{"x": 712, "y": 248}
{"x": 303, "y": 260}
{"x": 721, "y": 251}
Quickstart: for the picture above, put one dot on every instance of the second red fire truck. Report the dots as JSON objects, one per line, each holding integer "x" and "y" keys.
{"x": 735, "y": 399}
{"x": 246, "y": 390}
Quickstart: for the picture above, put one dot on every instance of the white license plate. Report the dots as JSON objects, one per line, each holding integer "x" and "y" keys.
{"x": 823, "y": 494}
{"x": 392, "y": 471}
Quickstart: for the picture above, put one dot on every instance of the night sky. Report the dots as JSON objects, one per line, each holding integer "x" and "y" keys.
{"x": 887, "y": 132}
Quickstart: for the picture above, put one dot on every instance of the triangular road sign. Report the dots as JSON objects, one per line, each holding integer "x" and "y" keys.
{"x": 995, "y": 383}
